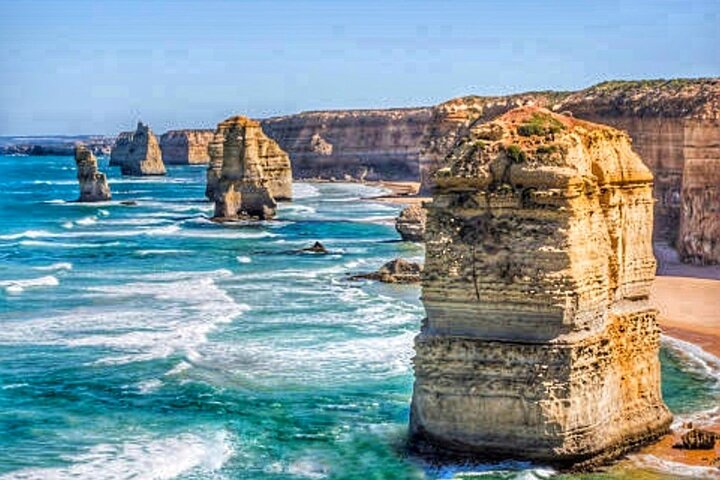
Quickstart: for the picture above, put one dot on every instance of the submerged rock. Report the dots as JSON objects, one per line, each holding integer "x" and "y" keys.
{"x": 540, "y": 342}
{"x": 697, "y": 439}
{"x": 395, "y": 271}
{"x": 93, "y": 184}
{"x": 143, "y": 154}
{"x": 411, "y": 223}
{"x": 248, "y": 171}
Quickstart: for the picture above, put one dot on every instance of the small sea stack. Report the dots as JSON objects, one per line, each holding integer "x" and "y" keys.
{"x": 410, "y": 224}
{"x": 93, "y": 184}
{"x": 248, "y": 171}
{"x": 143, "y": 156}
{"x": 540, "y": 342}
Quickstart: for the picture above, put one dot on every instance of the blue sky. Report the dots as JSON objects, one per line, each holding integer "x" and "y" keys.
{"x": 72, "y": 66}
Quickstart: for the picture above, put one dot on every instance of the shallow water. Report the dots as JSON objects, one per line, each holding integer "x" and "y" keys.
{"x": 147, "y": 342}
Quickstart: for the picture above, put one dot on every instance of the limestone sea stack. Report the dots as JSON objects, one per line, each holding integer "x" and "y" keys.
{"x": 540, "y": 342}
{"x": 143, "y": 155}
{"x": 248, "y": 171}
{"x": 93, "y": 184}
{"x": 119, "y": 152}
{"x": 410, "y": 224}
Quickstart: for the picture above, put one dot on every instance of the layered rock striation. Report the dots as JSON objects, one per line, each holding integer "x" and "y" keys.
{"x": 93, "y": 184}
{"x": 539, "y": 342}
{"x": 410, "y": 224}
{"x": 143, "y": 154}
{"x": 352, "y": 144}
{"x": 248, "y": 171}
{"x": 186, "y": 147}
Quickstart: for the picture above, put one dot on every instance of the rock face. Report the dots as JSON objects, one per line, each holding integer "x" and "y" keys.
{"x": 362, "y": 144}
{"x": 143, "y": 154}
{"x": 410, "y": 224}
{"x": 93, "y": 184}
{"x": 699, "y": 238}
{"x": 539, "y": 341}
{"x": 395, "y": 271}
{"x": 697, "y": 439}
{"x": 185, "y": 147}
{"x": 248, "y": 171}
{"x": 120, "y": 149}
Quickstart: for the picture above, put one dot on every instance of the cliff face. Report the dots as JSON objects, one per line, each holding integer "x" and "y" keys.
{"x": 185, "y": 147}
{"x": 362, "y": 144}
{"x": 248, "y": 171}
{"x": 667, "y": 120}
{"x": 143, "y": 154}
{"x": 539, "y": 340}
{"x": 93, "y": 184}
{"x": 699, "y": 239}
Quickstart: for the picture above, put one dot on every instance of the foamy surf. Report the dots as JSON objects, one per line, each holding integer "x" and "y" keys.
{"x": 156, "y": 459}
{"x": 701, "y": 362}
{"x": 669, "y": 467}
{"x": 55, "y": 266}
{"x": 18, "y": 286}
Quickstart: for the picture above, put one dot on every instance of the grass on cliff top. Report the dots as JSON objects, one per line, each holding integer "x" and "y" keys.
{"x": 540, "y": 124}
{"x": 626, "y": 85}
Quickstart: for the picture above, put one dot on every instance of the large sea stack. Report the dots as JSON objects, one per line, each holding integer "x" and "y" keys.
{"x": 539, "y": 342}
{"x": 248, "y": 171}
{"x": 93, "y": 184}
{"x": 143, "y": 154}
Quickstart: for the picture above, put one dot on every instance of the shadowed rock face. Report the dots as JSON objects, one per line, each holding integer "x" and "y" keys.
{"x": 93, "y": 184}
{"x": 539, "y": 341}
{"x": 143, "y": 155}
{"x": 120, "y": 149}
{"x": 248, "y": 171}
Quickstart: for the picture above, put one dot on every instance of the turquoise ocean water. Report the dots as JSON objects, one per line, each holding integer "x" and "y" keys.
{"x": 145, "y": 342}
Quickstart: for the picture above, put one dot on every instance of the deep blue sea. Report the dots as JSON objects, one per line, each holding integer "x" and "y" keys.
{"x": 146, "y": 342}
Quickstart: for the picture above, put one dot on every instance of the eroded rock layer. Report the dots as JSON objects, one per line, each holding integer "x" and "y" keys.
{"x": 143, "y": 155}
{"x": 410, "y": 224}
{"x": 248, "y": 171}
{"x": 93, "y": 184}
{"x": 539, "y": 340}
{"x": 185, "y": 147}
{"x": 352, "y": 144}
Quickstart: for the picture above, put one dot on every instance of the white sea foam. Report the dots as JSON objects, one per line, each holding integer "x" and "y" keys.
{"x": 695, "y": 358}
{"x": 41, "y": 243}
{"x": 142, "y": 459}
{"x": 18, "y": 286}
{"x": 56, "y": 266}
{"x": 243, "y": 259}
{"x": 668, "y": 467}
{"x": 160, "y": 251}
{"x": 68, "y": 225}
{"x": 304, "y": 190}
{"x": 142, "y": 321}
{"x": 86, "y": 221}
{"x": 36, "y": 234}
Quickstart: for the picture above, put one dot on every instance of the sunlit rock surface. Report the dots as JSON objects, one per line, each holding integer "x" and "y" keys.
{"x": 185, "y": 147}
{"x": 93, "y": 184}
{"x": 248, "y": 171}
{"x": 539, "y": 341}
{"x": 143, "y": 155}
{"x": 410, "y": 224}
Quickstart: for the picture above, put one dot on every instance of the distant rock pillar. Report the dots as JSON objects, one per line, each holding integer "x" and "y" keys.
{"x": 93, "y": 184}
{"x": 144, "y": 156}
{"x": 540, "y": 342}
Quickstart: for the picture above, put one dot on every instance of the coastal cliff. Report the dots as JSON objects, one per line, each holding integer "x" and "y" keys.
{"x": 539, "y": 341}
{"x": 248, "y": 171}
{"x": 357, "y": 144}
{"x": 185, "y": 147}
{"x": 143, "y": 154}
{"x": 93, "y": 184}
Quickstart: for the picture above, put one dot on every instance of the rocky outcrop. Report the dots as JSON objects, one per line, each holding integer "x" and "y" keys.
{"x": 361, "y": 144}
{"x": 539, "y": 341}
{"x": 410, "y": 224}
{"x": 395, "y": 271}
{"x": 143, "y": 155}
{"x": 248, "y": 171}
{"x": 93, "y": 184}
{"x": 185, "y": 147}
{"x": 697, "y": 439}
{"x": 120, "y": 149}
